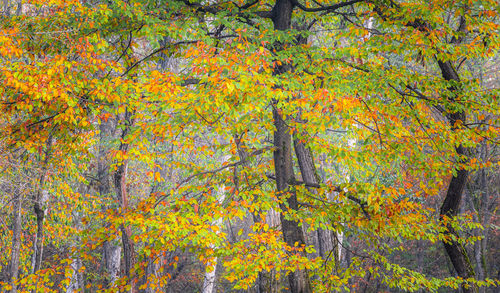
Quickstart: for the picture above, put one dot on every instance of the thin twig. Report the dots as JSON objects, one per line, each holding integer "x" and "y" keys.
{"x": 213, "y": 172}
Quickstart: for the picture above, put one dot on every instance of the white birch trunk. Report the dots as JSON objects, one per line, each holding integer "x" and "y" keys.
{"x": 74, "y": 284}
{"x": 211, "y": 269}
{"x": 112, "y": 255}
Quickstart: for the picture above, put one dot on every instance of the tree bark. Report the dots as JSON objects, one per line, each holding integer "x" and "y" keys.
{"x": 112, "y": 255}
{"x": 485, "y": 221}
{"x": 309, "y": 175}
{"x": 121, "y": 193}
{"x": 450, "y": 207}
{"x": 76, "y": 280}
{"x": 111, "y": 251}
{"x": 39, "y": 209}
{"x": 283, "y": 163}
{"x": 16, "y": 239}
{"x": 483, "y": 212}
{"x": 120, "y": 184}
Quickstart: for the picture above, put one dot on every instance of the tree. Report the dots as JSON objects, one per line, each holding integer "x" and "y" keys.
{"x": 85, "y": 99}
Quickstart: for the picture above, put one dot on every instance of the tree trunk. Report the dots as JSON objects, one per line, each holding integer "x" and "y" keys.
{"x": 39, "y": 208}
{"x": 120, "y": 184}
{"x": 16, "y": 239}
{"x": 36, "y": 258}
{"x": 309, "y": 175}
{"x": 243, "y": 156}
{"x": 451, "y": 204}
{"x": 111, "y": 251}
{"x": 485, "y": 218}
{"x": 209, "y": 283}
{"x": 76, "y": 280}
{"x": 283, "y": 163}
{"x": 112, "y": 254}
{"x": 210, "y": 277}
{"x": 151, "y": 270}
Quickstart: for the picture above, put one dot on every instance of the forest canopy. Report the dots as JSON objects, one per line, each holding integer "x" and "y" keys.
{"x": 249, "y": 146}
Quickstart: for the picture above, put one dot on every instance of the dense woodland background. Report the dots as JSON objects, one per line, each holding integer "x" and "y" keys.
{"x": 249, "y": 146}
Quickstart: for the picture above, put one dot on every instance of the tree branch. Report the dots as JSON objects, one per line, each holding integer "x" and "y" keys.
{"x": 362, "y": 204}
{"x": 325, "y": 8}
{"x": 189, "y": 178}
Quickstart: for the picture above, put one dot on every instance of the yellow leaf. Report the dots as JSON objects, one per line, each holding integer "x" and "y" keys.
{"x": 230, "y": 88}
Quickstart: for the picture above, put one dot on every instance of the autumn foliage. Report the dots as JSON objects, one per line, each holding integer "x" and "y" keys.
{"x": 168, "y": 146}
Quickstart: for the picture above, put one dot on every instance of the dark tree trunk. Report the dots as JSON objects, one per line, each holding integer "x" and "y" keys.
{"x": 283, "y": 163}
{"x": 309, "y": 175}
{"x": 282, "y": 15}
{"x": 454, "y": 194}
